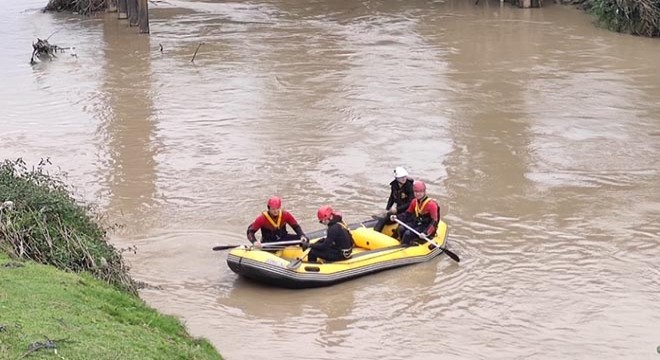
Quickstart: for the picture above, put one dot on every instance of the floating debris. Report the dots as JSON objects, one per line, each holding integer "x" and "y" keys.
{"x": 42, "y": 49}
{"x": 195, "y": 54}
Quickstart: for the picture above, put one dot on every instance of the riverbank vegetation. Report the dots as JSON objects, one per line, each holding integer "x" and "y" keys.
{"x": 84, "y": 7}
{"x": 637, "y": 17}
{"x": 46, "y": 224}
{"x": 65, "y": 290}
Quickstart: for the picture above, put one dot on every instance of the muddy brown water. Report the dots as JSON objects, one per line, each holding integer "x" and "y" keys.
{"x": 537, "y": 130}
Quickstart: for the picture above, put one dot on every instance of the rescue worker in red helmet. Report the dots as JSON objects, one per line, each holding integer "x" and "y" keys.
{"x": 423, "y": 215}
{"x": 401, "y": 195}
{"x": 272, "y": 224}
{"x": 337, "y": 244}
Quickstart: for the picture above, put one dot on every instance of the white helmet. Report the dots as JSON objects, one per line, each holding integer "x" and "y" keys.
{"x": 400, "y": 172}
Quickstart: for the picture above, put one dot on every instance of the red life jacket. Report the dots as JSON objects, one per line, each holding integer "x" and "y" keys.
{"x": 424, "y": 220}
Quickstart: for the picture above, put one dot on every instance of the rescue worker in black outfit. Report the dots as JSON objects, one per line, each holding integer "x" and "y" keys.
{"x": 273, "y": 225}
{"x": 400, "y": 197}
{"x": 423, "y": 215}
{"x": 338, "y": 243}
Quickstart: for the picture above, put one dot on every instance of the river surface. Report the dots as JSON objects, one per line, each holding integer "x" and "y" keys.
{"x": 537, "y": 131}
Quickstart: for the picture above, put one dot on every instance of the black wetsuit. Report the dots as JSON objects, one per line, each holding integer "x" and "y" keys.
{"x": 337, "y": 245}
{"x": 401, "y": 195}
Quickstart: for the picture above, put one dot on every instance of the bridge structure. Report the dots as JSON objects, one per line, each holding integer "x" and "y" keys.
{"x": 135, "y": 11}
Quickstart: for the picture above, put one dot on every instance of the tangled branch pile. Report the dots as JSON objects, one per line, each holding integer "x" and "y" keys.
{"x": 42, "y": 49}
{"x": 638, "y": 17}
{"x": 84, "y": 7}
{"x": 41, "y": 221}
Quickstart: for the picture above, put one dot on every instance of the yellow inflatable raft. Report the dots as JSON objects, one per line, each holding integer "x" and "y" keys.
{"x": 373, "y": 251}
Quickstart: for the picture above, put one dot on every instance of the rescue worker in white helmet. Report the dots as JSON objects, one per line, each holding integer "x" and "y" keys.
{"x": 401, "y": 195}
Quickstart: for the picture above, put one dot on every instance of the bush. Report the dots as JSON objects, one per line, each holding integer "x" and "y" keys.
{"x": 638, "y": 17}
{"x": 84, "y": 7}
{"x": 42, "y": 221}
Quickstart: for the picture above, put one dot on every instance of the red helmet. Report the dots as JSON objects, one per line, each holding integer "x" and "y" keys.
{"x": 325, "y": 212}
{"x": 274, "y": 202}
{"x": 419, "y": 186}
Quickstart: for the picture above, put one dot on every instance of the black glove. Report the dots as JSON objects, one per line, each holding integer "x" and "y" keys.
{"x": 304, "y": 244}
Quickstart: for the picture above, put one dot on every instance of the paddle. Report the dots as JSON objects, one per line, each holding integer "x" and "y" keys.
{"x": 268, "y": 244}
{"x": 449, "y": 253}
{"x": 294, "y": 264}
{"x": 378, "y": 217}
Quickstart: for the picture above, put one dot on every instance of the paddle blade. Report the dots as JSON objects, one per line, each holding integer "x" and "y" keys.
{"x": 294, "y": 264}
{"x": 224, "y": 247}
{"x": 451, "y": 255}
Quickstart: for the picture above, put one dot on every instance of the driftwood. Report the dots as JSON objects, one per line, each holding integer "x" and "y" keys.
{"x": 42, "y": 49}
{"x": 195, "y": 54}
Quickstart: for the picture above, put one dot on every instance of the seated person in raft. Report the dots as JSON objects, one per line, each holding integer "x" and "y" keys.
{"x": 338, "y": 243}
{"x": 272, "y": 224}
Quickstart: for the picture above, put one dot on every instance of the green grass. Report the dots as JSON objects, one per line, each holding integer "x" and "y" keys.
{"x": 85, "y": 319}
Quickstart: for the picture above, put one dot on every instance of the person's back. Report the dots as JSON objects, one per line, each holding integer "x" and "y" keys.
{"x": 338, "y": 243}
{"x": 338, "y": 234}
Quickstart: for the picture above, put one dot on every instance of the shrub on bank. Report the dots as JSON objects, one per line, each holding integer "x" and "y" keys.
{"x": 638, "y": 17}
{"x": 84, "y": 7}
{"x": 42, "y": 221}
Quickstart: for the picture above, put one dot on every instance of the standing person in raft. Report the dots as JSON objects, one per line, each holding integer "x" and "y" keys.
{"x": 273, "y": 225}
{"x": 400, "y": 197}
{"x": 423, "y": 215}
{"x": 338, "y": 243}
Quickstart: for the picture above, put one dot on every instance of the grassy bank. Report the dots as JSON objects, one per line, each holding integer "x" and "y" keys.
{"x": 74, "y": 316}
{"x": 65, "y": 292}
